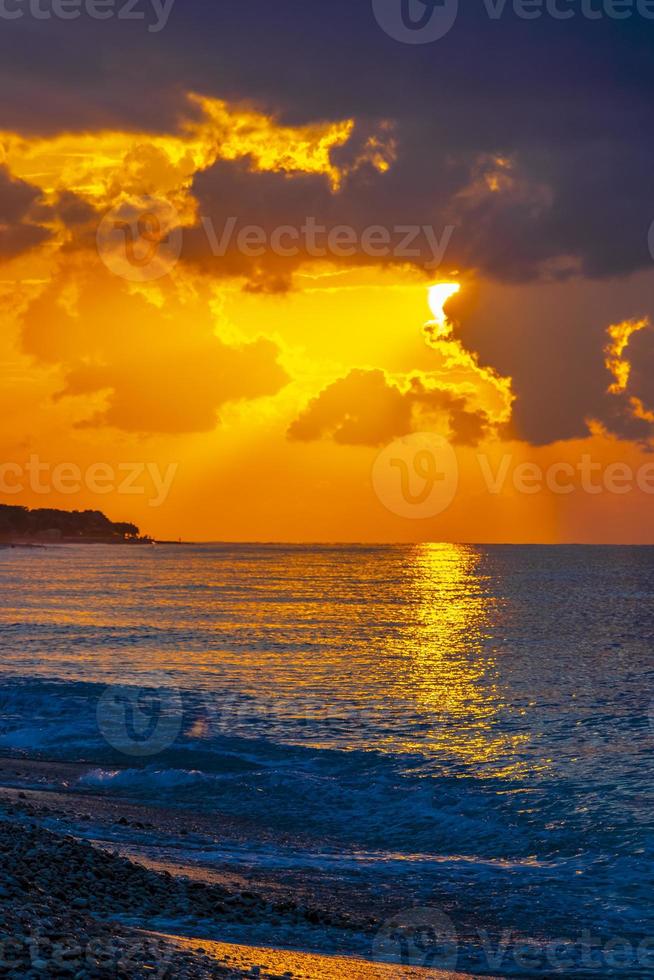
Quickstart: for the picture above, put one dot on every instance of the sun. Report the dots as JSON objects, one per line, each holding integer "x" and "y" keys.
{"x": 439, "y": 294}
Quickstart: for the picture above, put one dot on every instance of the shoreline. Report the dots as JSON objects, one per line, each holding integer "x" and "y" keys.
{"x": 67, "y": 878}
{"x": 287, "y": 963}
{"x": 47, "y": 543}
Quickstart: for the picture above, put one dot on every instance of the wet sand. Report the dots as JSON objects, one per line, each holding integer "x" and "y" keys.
{"x": 309, "y": 966}
{"x": 70, "y": 869}
{"x": 175, "y": 840}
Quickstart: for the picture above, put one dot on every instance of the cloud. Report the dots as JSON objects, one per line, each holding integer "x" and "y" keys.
{"x": 523, "y": 208}
{"x": 72, "y": 210}
{"x": 18, "y": 232}
{"x": 152, "y": 362}
{"x": 180, "y": 394}
{"x": 629, "y": 360}
{"x": 582, "y": 178}
{"x": 552, "y": 342}
{"x": 541, "y": 186}
{"x": 640, "y": 351}
{"x": 367, "y": 408}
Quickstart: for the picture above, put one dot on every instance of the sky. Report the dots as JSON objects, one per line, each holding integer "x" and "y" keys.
{"x": 358, "y": 270}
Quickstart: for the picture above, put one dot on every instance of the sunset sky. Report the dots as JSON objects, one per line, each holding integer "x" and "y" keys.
{"x": 271, "y": 377}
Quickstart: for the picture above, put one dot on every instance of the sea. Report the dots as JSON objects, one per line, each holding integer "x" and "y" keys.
{"x": 457, "y": 738}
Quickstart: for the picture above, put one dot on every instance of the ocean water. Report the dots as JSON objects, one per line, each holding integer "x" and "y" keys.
{"x": 461, "y": 734}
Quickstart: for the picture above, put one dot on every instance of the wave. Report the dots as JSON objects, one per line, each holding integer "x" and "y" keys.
{"x": 502, "y": 843}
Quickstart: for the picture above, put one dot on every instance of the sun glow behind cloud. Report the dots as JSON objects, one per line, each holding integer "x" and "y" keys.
{"x": 101, "y": 165}
{"x": 620, "y": 335}
{"x": 238, "y": 367}
{"x": 438, "y": 297}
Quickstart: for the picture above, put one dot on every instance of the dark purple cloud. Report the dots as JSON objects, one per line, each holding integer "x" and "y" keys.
{"x": 18, "y": 232}
{"x": 580, "y": 129}
{"x": 367, "y": 408}
{"x": 568, "y": 103}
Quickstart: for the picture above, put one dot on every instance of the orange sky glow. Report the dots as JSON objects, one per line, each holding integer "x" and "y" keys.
{"x": 268, "y": 389}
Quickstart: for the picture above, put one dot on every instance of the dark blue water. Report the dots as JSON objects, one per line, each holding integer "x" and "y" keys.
{"x": 465, "y": 729}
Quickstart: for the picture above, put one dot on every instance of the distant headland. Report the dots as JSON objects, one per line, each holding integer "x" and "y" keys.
{"x": 20, "y": 525}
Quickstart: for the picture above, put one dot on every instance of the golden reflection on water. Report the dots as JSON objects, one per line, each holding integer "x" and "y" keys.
{"x": 450, "y": 666}
{"x": 389, "y": 649}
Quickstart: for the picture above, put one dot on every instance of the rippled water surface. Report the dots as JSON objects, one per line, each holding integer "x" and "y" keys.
{"x": 474, "y": 722}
